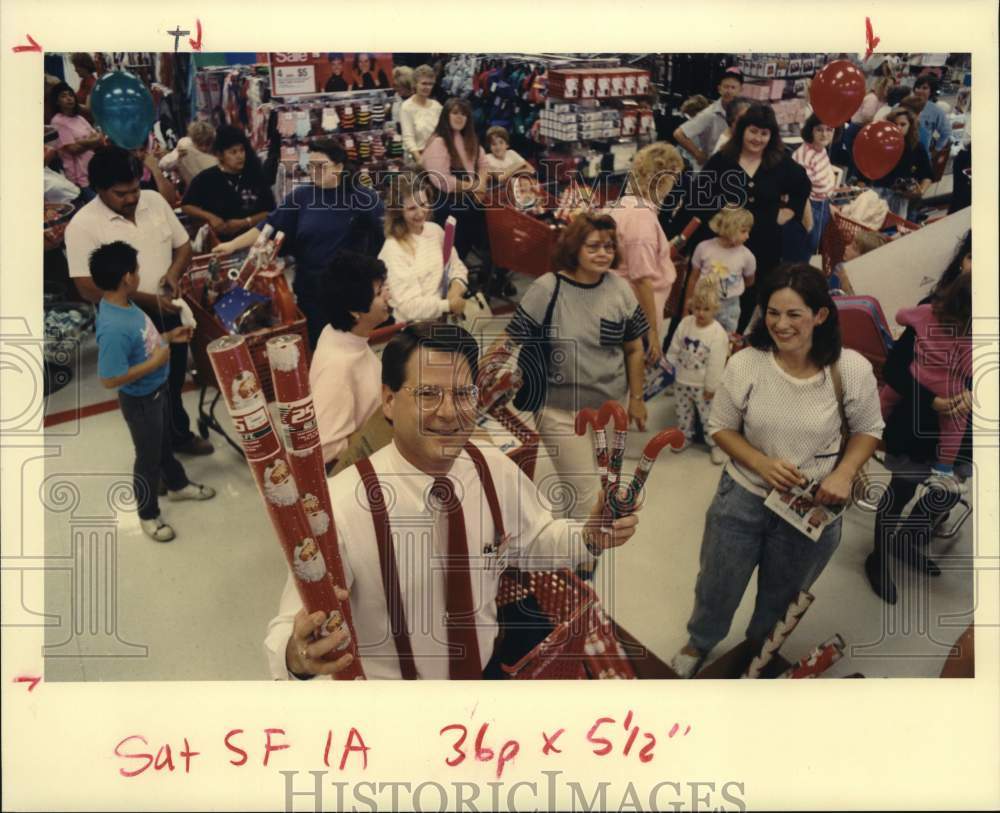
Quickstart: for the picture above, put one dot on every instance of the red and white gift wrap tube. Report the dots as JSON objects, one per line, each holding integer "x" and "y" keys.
{"x": 286, "y": 356}
{"x": 818, "y": 661}
{"x": 271, "y": 470}
{"x": 779, "y": 634}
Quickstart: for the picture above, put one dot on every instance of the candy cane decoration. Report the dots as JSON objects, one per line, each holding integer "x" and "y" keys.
{"x": 588, "y": 417}
{"x": 624, "y": 500}
{"x": 612, "y": 410}
{"x": 818, "y": 661}
{"x": 278, "y": 489}
{"x": 779, "y": 634}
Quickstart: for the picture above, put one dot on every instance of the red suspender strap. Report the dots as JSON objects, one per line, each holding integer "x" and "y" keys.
{"x": 390, "y": 575}
{"x": 491, "y": 493}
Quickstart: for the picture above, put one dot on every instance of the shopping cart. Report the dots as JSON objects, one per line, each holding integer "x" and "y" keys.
{"x": 205, "y": 280}
{"x": 553, "y": 628}
{"x": 840, "y": 231}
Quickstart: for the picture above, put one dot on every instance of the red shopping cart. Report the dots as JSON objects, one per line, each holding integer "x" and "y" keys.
{"x": 207, "y": 279}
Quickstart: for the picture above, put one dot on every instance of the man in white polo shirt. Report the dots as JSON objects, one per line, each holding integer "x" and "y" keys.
{"x": 698, "y": 135}
{"x": 144, "y": 220}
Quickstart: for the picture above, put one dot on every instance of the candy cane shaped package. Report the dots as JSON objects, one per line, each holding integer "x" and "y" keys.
{"x": 300, "y": 429}
{"x": 234, "y": 370}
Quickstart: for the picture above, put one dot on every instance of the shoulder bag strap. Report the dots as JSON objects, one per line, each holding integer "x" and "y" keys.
{"x": 838, "y": 388}
{"x": 547, "y": 321}
{"x": 390, "y": 574}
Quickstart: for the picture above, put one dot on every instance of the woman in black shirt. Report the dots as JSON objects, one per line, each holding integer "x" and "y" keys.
{"x": 233, "y": 196}
{"x": 752, "y": 171}
{"x": 909, "y": 179}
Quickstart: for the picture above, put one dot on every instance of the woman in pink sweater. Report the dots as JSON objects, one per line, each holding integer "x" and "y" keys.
{"x": 455, "y": 164}
{"x": 645, "y": 248}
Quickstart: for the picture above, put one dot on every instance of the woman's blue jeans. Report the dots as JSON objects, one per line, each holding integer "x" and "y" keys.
{"x": 740, "y": 535}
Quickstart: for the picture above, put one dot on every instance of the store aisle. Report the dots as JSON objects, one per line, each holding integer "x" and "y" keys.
{"x": 199, "y": 605}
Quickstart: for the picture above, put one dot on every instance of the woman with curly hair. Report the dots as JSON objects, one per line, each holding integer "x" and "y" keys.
{"x": 645, "y": 248}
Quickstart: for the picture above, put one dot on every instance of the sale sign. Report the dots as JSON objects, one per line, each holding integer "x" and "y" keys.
{"x": 302, "y": 73}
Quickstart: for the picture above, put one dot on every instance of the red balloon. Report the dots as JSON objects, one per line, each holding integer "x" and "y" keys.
{"x": 836, "y": 92}
{"x": 877, "y": 149}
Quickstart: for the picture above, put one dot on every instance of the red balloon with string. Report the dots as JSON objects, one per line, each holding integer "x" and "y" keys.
{"x": 877, "y": 149}
{"x": 836, "y": 92}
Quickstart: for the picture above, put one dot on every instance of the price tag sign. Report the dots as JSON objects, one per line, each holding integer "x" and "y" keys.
{"x": 293, "y": 80}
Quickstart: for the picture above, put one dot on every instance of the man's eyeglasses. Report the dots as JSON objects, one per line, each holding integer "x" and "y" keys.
{"x": 429, "y": 397}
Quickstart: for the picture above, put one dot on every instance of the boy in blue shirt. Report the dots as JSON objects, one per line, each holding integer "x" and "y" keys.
{"x": 133, "y": 358}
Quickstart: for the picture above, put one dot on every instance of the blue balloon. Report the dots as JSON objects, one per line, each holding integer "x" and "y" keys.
{"x": 123, "y": 108}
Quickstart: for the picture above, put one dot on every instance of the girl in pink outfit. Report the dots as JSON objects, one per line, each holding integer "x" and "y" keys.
{"x": 77, "y": 138}
{"x": 645, "y": 249}
{"x": 942, "y": 360}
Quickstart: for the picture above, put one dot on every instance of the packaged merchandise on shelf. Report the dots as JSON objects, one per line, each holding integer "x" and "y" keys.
{"x": 597, "y": 83}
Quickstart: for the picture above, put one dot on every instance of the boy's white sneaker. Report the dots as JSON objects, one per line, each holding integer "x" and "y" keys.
{"x": 157, "y": 529}
{"x": 192, "y": 491}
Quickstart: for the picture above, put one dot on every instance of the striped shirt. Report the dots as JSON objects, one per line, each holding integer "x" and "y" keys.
{"x": 591, "y": 324}
{"x": 817, "y": 166}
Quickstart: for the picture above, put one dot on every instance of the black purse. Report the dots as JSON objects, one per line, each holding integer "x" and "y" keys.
{"x": 533, "y": 362}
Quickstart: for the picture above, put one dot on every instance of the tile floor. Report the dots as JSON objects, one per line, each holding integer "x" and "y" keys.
{"x": 197, "y": 608}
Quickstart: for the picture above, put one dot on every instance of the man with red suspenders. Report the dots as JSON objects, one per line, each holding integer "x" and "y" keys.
{"x": 427, "y": 525}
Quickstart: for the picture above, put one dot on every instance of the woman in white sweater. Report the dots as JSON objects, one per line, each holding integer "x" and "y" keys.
{"x": 777, "y": 415}
{"x": 413, "y": 253}
{"x": 419, "y": 114}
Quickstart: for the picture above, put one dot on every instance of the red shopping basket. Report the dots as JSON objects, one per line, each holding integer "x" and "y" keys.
{"x": 553, "y": 628}
{"x": 839, "y": 234}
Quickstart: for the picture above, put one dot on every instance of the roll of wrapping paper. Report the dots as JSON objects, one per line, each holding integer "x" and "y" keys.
{"x": 251, "y": 263}
{"x": 779, "y": 634}
{"x": 286, "y": 356}
{"x": 449, "y": 242}
{"x": 818, "y": 661}
{"x": 269, "y": 465}
{"x": 678, "y": 243}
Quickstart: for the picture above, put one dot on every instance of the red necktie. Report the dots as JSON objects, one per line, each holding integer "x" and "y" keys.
{"x": 460, "y": 614}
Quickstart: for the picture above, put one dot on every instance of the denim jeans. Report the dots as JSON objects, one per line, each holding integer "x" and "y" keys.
{"x": 178, "y": 424}
{"x": 740, "y": 535}
{"x": 821, "y": 213}
{"x": 148, "y": 417}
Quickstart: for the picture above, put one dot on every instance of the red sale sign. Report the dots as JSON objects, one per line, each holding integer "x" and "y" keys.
{"x": 301, "y": 73}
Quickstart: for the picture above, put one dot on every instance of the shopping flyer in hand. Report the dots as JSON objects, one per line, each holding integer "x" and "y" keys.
{"x": 659, "y": 376}
{"x": 798, "y": 507}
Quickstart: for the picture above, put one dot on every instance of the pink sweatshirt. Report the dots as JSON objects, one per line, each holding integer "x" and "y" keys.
{"x": 942, "y": 360}
{"x": 437, "y": 162}
{"x": 644, "y": 247}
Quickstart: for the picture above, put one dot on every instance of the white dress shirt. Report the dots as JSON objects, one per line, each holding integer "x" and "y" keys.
{"x": 536, "y": 541}
{"x": 416, "y": 268}
{"x": 155, "y": 234}
{"x": 345, "y": 378}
